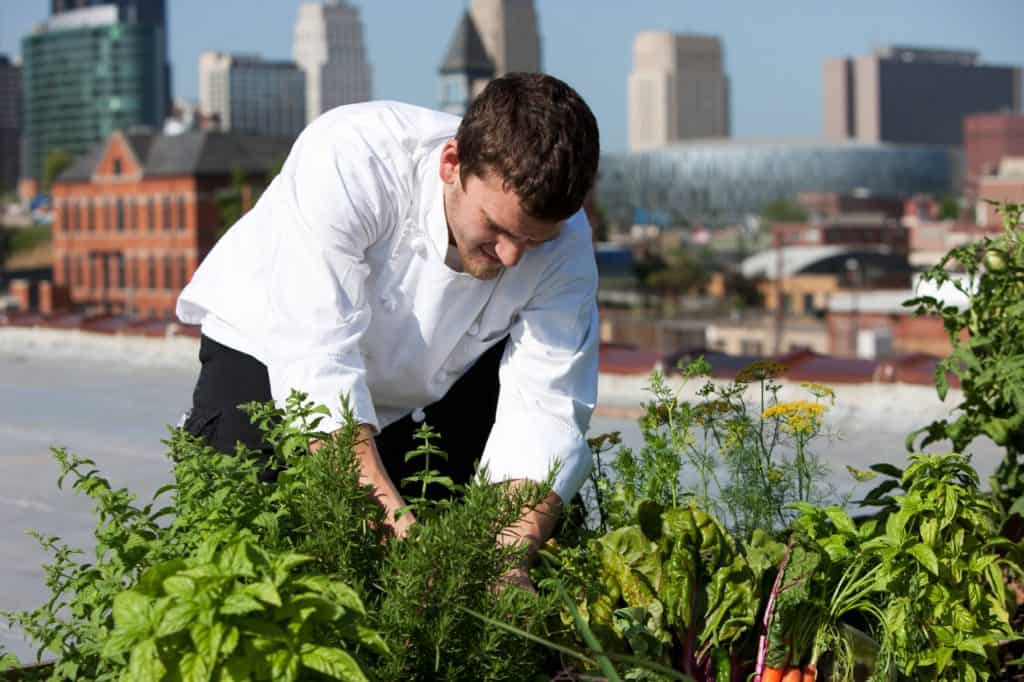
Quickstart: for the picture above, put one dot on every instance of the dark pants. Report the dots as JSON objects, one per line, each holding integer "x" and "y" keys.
{"x": 463, "y": 417}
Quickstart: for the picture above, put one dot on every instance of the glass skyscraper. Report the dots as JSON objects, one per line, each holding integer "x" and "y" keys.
{"x": 90, "y": 69}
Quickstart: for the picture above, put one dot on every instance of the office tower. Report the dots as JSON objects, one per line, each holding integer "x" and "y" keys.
{"x": 678, "y": 89}
{"x": 328, "y": 46}
{"x": 466, "y": 68}
{"x": 249, "y": 94}
{"x": 147, "y": 12}
{"x": 510, "y": 34}
{"x": 10, "y": 122}
{"x": 86, "y": 73}
{"x": 914, "y": 95}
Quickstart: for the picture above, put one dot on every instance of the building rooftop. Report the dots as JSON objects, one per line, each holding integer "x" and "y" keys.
{"x": 796, "y": 259}
{"x": 191, "y": 153}
{"x": 466, "y": 52}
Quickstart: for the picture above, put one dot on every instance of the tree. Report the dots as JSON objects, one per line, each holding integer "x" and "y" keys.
{"x": 229, "y": 201}
{"x": 681, "y": 274}
{"x": 783, "y": 211}
{"x": 57, "y": 161}
{"x": 950, "y": 209}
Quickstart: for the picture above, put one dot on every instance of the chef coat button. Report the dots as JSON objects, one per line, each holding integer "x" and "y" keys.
{"x": 474, "y": 329}
{"x": 418, "y": 415}
{"x": 388, "y": 303}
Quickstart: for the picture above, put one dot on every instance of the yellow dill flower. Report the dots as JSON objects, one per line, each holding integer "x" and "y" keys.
{"x": 798, "y": 417}
{"x": 760, "y": 370}
{"x": 820, "y": 391}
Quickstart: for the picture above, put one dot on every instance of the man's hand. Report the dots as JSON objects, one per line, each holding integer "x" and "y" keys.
{"x": 373, "y": 473}
{"x": 519, "y": 578}
{"x": 532, "y": 530}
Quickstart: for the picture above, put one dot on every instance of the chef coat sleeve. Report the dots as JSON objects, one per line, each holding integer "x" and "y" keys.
{"x": 337, "y": 192}
{"x": 548, "y": 377}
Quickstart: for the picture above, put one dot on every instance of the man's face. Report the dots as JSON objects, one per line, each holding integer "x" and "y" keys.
{"x": 486, "y": 223}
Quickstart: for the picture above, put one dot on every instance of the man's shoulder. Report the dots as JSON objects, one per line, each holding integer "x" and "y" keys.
{"x": 387, "y": 122}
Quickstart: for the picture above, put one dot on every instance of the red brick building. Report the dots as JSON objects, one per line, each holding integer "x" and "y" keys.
{"x": 135, "y": 216}
{"x": 988, "y": 138}
{"x": 869, "y": 229}
{"x": 1006, "y": 185}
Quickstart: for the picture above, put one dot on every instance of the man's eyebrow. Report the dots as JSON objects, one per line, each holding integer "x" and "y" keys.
{"x": 499, "y": 228}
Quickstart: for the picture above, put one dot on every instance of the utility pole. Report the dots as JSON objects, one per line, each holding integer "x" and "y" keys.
{"x": 780, "y": 311}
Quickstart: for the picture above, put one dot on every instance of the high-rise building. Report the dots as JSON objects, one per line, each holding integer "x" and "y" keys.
{"x": 988, "y": 139}
{"x": 678, "y": 89}
{"x": 87, "y": 74}
{"x": 466, "y": 68}
{"x": 914, "y": 95}
{"x": 10, "y": 122}
{"x": 249, "y": 94}
{"x": 510, "y": 34}
{"x": 329, "y": 48}
{"x": 148, "y": 12}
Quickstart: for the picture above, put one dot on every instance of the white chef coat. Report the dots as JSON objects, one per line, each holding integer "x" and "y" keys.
{"x": 336, "y": 281}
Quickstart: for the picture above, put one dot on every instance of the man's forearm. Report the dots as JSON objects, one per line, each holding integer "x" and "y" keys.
{"x": 373, "y": 473}
{"x": 535, "y": 526}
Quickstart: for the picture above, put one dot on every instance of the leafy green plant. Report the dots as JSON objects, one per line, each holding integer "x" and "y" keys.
{"x": 234, "y": 611}
{"x": 941, "y": 564}
{"x": 314, "y": 534}
{"x": 453, "y": 563}
{"x": 674, "y": 589}
{"x": 987, "y": 337}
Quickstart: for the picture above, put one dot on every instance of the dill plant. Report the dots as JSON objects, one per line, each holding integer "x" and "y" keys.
{"x": 749, "y": 460}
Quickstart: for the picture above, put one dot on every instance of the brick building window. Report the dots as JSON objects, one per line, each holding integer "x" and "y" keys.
{"x": 78, "y": 279}
{"x": 167, "y": 213}
{"x": 133, "y": 281}
{"x": 83, "y": 215}
{"x": 90, "y": 211}
{"x": 119, "y": 259}
{"x": 181, "y": 212}
{"x": 109, "y": 227}
{"x": 151, "y": 211}
{"x": 182, "y": 271}
{"x": 67, "y": 270}
{"x": 169, "y": 278}
{"x": 119, "y": 208}
{"x": 152, "y": 272}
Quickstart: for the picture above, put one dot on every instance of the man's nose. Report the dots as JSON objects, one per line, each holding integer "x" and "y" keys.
{"x": 509, "y": 251}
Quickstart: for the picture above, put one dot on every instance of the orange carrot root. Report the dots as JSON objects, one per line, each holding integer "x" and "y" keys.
{"x": 793, "y": 674}
{"x": 810, "y": 673}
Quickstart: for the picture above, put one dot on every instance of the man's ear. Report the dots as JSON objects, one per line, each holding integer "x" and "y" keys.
{"x": 449, "y": 169}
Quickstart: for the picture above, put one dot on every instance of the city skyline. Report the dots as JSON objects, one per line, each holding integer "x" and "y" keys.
{"x": 774, "y": 56}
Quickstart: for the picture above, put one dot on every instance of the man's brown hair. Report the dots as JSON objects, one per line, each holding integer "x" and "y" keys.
{"x": 539, "y": 136}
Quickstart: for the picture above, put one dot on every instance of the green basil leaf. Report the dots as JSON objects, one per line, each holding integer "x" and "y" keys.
{"x": 331, "y": 662}
{"x": 926, "y": 556}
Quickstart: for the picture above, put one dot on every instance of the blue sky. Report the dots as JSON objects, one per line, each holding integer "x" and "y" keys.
{"x": 774, "y": 50}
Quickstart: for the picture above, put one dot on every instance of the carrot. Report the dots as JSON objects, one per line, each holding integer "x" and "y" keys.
{"x": 770, "y": 674}
{"x": 793, "y": 674}
{"x": 810, "y": 673}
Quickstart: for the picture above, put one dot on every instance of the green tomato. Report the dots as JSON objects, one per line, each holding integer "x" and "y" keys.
{"x": 995, "y": 261}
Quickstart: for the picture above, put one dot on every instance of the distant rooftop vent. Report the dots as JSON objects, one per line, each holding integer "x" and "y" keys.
{"x": 85, "y": 17}
{"x": 928, "y": 55}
